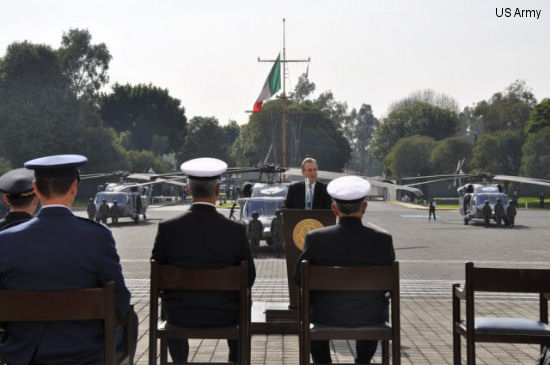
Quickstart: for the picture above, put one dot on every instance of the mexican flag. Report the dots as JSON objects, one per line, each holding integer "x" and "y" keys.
{"x": 271, "y": 86}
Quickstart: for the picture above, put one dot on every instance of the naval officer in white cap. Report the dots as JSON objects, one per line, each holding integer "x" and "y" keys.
{"x": 202, "y": 238}
{"x": 348, "y": 243}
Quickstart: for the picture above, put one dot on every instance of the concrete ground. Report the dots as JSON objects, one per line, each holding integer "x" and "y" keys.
{"x": 432, "y": 257}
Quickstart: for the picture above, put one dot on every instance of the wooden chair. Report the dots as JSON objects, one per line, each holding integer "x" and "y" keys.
{"x": 364, "y": 278}
{"x": 67, "y": 305}
{"x": 168, "y": 277}
{"x": 499, "y": 329}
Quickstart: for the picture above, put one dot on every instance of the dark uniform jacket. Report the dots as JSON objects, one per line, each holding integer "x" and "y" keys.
{"x": 13, "y": 219}
{"x": 348, "y": 243}
{"x": 58, "y": 251}
{"x": 296, "y": 196}
{"x": 202, "y": 238}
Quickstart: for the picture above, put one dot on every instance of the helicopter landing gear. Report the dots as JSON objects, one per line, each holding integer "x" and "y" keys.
{"x": 466, "y": 220}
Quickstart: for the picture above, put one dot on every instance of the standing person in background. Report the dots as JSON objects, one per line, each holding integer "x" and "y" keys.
{"x": 432, "y": 210}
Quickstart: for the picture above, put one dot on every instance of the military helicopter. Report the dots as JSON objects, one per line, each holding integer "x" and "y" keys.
{"x": 472, "y": 196}
{"x": 132, "y": 198}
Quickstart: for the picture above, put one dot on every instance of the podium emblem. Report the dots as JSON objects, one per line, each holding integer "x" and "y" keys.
{"x": 300, "y": 230}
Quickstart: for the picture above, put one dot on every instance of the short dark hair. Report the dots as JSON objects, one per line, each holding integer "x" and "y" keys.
{"x": 349, "y": 207}
{"x": 20, "y": 201}
{"x": 202, "y": 188}
{"x": 54, "y": 186}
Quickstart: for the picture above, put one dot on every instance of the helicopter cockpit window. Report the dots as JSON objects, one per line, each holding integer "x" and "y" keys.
{"x": 492, "y": 198}
{"x": 120, "y": 198}
{"x": 263, "y": 208}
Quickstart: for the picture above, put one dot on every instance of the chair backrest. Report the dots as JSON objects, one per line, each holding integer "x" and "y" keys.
{"x": 64, "y": 305}
{"x": 507, "y": 280}
{"x": 350, "y": 278}
{"x": 171, "y": 277}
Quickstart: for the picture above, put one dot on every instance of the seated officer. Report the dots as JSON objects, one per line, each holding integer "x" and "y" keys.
{"x": 58, "y": 251}
{"x": 19, "y": 196}
{"x": 202, "y": 238}
{"x": 348, "y": 243}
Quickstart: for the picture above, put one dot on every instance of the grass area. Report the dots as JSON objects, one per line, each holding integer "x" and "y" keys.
{"x": 227, "y": 205}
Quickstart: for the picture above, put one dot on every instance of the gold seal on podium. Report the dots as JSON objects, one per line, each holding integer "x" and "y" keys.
{"x": 300, "y": 230}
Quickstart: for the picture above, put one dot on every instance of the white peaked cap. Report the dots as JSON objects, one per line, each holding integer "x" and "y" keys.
{"x": 348, "y": 188}
{"x": 204, "y": 168}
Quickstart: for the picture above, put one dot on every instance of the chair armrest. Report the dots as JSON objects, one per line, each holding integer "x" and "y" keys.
{"x": 458, "y": 292}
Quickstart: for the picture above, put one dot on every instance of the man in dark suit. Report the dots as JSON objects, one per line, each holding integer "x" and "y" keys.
{"x": 310, "y": 193}
{"x": 19, "y": 196}
{"x": 58, "y": 251}
{"x": 202, "y": 238}
{"x": 349, "y": 243}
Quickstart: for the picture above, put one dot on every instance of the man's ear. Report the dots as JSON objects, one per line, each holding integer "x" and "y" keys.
{"x": 335, "y": 210}
{"x": 365, "y": 204}
{"x": 218, "y": 189}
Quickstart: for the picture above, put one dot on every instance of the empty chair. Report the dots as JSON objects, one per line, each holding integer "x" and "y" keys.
{"x": 498, "y": 329}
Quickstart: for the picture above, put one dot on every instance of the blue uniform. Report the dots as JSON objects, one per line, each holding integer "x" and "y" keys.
{"x": 58, "y": 251}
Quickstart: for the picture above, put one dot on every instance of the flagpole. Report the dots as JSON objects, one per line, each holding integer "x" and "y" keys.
{"x": 283, "y": 96}
{"x": 283, "y": 111}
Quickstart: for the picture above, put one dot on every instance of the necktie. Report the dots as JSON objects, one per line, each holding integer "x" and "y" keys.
{"x": 309, "y": 202}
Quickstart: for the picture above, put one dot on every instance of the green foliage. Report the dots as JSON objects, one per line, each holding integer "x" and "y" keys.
{"x": 303, "y": 89}
{"x": 448, "y": 152}
{"x": 144, "y": 160}
{"x": 361, "y": 129}
{"x": 4, "y": 165}
{"x": 145, "y": 111}
{"x": 499, "y": 153}
{"x": 506, "y": 111}
{"x": 84, "y": 64}
{"x": 414, "y": 119}
{"x": 310, "y": 132}
{"x": 410, "y": 156}
{"x": 539, "y": 118}
{"x": 38, "y": 112}
{"x": 205, "y": 138}
{"x": 536, "y": 154}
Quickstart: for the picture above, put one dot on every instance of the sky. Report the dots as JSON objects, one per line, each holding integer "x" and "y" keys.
{"x": 374, "y": 52}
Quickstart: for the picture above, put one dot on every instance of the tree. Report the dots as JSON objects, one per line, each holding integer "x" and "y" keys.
{"x": 84, "y": 64}
{"x": 539, "y": 118}
{"x": 427, "y": 96}
{"x": 205, "y": 138}
{"x": 415, "y": 119}
{"x": 310, "y": 132}
{"x": 144, "y": 160}
{"x": 499, "y": 153}
{"x": 506, "y": 111}
{"x": 303, "y": 89}
{"x": 38, "y": 112}
{"x": 448, "y": 152}
{"x": 145, "y": 111}
{"x": 410, "y": 156}
{"x": 362, "y": 127}
{"x": 536, "y": 154}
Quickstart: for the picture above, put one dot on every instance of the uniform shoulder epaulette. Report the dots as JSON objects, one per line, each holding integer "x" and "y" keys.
{"x": 99, "y": 224}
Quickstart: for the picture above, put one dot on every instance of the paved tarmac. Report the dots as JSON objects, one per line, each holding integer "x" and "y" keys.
{"x": 432, "y": 256}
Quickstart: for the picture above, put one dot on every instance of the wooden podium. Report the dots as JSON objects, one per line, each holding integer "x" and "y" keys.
{"x": 297, "y": 222}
